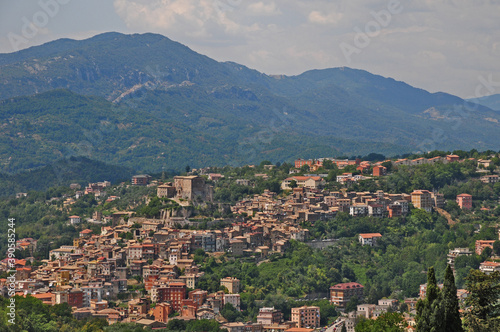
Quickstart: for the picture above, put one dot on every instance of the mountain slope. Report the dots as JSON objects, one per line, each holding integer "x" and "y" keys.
{"x": 59, "y": 124}
{"x": 62, "y": 173}
{"x": 492, "y": 101}
{"x": 147, "y": 102}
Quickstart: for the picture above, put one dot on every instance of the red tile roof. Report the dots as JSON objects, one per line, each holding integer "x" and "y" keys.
{"x": 347, "y": 285}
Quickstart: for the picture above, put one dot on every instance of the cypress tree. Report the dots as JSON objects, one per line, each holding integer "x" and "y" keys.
{"x": 452, "y": 321}
{"x": 432, "y": 288}
{"x": 429, "y": 310}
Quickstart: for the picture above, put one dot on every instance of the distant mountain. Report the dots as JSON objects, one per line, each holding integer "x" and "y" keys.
{"x": 492, "y": 101}
{"x": 146, "y": 102}
{"x": 59, "y": 124}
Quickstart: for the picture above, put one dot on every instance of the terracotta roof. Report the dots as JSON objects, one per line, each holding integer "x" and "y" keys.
{"x": 347, "y": 285}
{"x": 370, "y": 235}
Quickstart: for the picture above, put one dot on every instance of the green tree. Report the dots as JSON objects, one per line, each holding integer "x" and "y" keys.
{"x": 429, "y": 310}
{"x": 387, "y": 322}
{"x": 484, "y": 311}
{"x": 452, "y": 321}
{"x": 496, "y": 247}
{"x": 176, "y": 325}
{"x": 344, "y": 328}
{"x": 230, "y": 313}
{"x": 203, "y": 325}
{"x": 293, "y": 184}
{"x": 124, "y": 327}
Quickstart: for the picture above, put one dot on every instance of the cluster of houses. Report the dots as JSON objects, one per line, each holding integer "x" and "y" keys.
{"x": 97, "y": 268}
{"x": 315, "y": 164}
{"x": 312, "y": 204}
{"x": 104, "y": 267}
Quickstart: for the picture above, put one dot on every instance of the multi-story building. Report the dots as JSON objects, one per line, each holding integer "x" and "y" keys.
{"x": 376, "y": 210}
{"x": 234, "y": 299}
{"x": 464, "y": 201}
{"x": 232, "y": 284}
{"x": 301, "y": 162}
{"x": 438, "y": 200}
{"x": 191, "y": 187}
{"x": 483, "y": 244}
{"x": 141, "y": 180}
{"x": 198, "y": 297}
{"x": 369, "y": 239}
{"x": 379, "y": 170}
{"x": 489, "y": 178}
{"x": 93, "y": 292}
{"x": 134, "y": 252}
{"x": 454, "y": 253}
{"x": 394, "y": 210}
{"x": 421, "y": 199}
{"x": 237, "y": 247}
{"x": 162, "y": 311}
{"x": 174, "y": 293}
{"x": 404, "y": 206}
{"x": 340, "y": 294}
{"x": 303, "y": 181}
{"x": 208, "y": 242}
{"x": 269, "y": 316}
{"x": 358, "y": 210}
{"x": 306, "y": 317}
{"x": 165, "y": 191}
{"x": 489, "y": 267}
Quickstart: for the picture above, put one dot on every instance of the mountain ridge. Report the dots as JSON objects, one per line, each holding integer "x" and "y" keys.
{"x": 202, "y": 111}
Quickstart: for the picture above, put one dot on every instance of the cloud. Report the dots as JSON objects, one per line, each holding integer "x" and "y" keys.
{"x": 319, "y": 18}
{"x": 261, "y": 8}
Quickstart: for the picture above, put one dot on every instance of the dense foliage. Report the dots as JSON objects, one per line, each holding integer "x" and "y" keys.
{"x": 387, "y": 322}
{"x": 79, "y": 170}
{"x": 484, "y": 315}
{"x": 34, "y": 316}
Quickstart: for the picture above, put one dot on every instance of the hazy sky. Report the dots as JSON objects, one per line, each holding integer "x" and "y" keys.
{"x": 437, "y": 45}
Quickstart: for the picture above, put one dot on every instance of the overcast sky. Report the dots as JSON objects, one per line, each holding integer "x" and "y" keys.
{"x": 438, "y": 45}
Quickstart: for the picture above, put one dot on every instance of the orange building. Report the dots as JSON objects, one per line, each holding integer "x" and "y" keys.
{"x": 46, "y": 298}
{"x": 198, "y": 296}
{"x": 379, "y": 170}
{"x": 301, "y": 162}
{"x": 464, "y": 201}
{"x": 306, "y": 316}
{"x": 452, "y": 158}
{"x": 162, "y": 311}
{"x": 483, "y": 244}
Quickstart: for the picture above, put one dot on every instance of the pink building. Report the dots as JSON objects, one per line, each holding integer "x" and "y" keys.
{"x": 464, "y": 201}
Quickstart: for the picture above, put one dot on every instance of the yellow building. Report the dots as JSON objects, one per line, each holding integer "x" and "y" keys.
{"x": 422, "y": 199}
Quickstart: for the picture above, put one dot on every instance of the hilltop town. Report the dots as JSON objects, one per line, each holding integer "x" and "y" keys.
{"x": 157, "y": 250}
